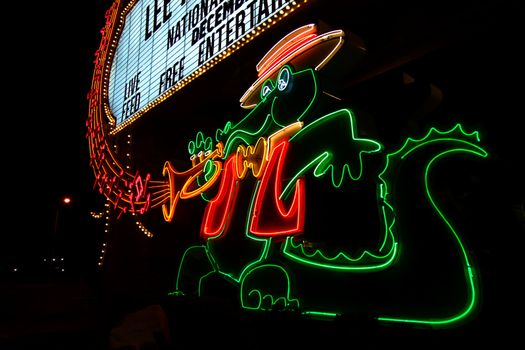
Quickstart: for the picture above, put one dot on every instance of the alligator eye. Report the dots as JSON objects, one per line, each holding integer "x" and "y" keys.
{"x": 284, "y": 78}
{"x": 267, "y": 87}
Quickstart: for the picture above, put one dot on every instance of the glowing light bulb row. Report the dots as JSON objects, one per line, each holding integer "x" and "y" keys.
{"x": 109, "y": 54}
{"x": 96, "y": 215}
{"x": 106, "y": 232}
{"x": 143, "y": 229}
{"x": 201, "y": 70}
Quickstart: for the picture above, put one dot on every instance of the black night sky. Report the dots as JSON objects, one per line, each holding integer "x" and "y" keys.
{"x": 45, "y": 152}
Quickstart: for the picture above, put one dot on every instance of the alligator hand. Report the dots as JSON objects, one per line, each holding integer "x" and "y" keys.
{"x": 341, "y": 153}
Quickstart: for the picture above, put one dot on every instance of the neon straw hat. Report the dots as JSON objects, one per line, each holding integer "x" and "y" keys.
{"x": 302, "y": 48}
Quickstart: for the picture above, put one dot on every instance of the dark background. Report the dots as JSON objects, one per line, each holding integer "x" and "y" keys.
{"x": 45, "y": 155}
{"x": 50, "y": 50}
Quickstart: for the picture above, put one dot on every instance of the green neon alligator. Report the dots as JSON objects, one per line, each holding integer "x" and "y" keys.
{"x": 415, "y": 268}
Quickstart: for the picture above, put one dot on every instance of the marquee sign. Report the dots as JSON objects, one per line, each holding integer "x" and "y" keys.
{"x": 164, "y": 44}
{"x": 267, "y": 183}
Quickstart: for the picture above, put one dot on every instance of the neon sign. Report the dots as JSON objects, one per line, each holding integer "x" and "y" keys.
{"x": 281, "y": 153}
